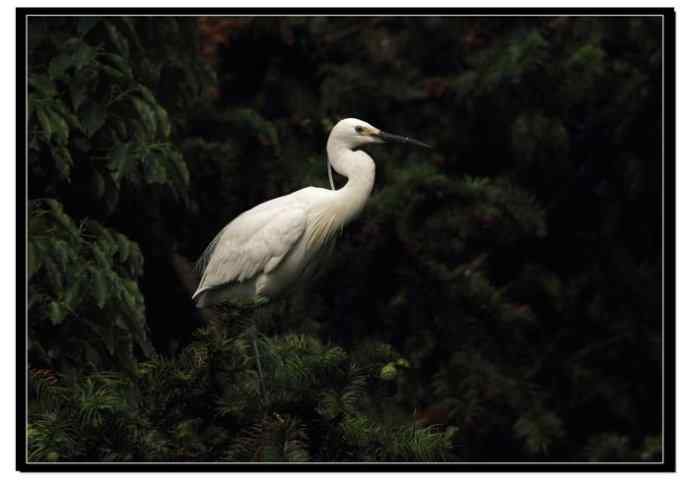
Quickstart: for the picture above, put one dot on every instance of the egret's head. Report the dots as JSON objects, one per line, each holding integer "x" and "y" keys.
{"x": 354, "y": 133}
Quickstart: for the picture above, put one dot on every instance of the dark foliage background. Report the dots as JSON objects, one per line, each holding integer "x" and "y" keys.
{"x": 499, "y": 299}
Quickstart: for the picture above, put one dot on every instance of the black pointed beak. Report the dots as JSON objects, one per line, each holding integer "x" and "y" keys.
{"x": 389, "y": 137}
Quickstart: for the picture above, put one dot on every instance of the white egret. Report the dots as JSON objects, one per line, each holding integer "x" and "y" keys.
{"x": 269, "y": 248}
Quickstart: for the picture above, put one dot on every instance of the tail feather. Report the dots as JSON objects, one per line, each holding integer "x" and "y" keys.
{"x": 236, "y": 291}
{"x": 200, "y": 300}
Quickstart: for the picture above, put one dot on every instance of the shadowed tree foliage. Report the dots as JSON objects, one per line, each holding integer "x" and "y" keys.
{"x": 498, "y": 299}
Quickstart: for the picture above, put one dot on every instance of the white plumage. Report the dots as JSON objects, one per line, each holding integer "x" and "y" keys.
{"x": 274, "y": 245}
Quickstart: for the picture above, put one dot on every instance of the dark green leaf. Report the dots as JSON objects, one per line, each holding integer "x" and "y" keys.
{"x": 33, "y": 260}
{"x": 68, "y": 116}
{"x": 92, "y": 115}
{"x": 163, "y": 121}
{"x": 123, "y": 247}
{"x": 148, "y": 96}
{"x": 54, "y": 205}
{"x": 45, "y": 122}
{"x": 76, "y": 54}
{"x": 117, "y": 162}
{"x": 78, "y": 90}
{"x": 59, "y": 65}
{"x": 147, "y": 114}
{"x": 113, "y": 73}
{"x": 63, "y": 160}
{"x": 100, "y": 288}
{"x": 118, "y": 40}
{"x": 100, "y": 255}
{"x": 56, "y": 313}
{"x": 119, "y": 63}
{"x": 73, "y": 293}
{"x": 61, "y": 254}
{"x": 84, "y": 55}
{"x": 181, "y": 169}
{"x": 43, "y": 85}
{"x": 154, "y": 169}
{"x": 53, "y": 274}
{"x": 120, "y": 128}
{"x": 59, "y": 127}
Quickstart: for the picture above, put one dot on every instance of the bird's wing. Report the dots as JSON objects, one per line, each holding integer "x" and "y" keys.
{"x": 255, "y": 242}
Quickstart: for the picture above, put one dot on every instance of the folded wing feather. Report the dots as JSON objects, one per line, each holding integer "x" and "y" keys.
{"x": 255, "y": 242}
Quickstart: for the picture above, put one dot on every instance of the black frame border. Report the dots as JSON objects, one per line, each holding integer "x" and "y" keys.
{"x": 669, "y": 261}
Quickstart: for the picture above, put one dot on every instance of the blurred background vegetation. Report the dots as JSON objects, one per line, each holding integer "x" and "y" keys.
{"x": 499, "y": 299}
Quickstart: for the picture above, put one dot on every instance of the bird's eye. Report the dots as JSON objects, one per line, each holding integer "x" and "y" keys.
{"x": 359, "y": 129}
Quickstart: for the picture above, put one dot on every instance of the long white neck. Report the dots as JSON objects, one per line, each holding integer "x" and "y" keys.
{"x": 360, "y": 171}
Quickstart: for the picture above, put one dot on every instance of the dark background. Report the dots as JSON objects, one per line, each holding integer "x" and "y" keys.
{"x": 498, "y": 299}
